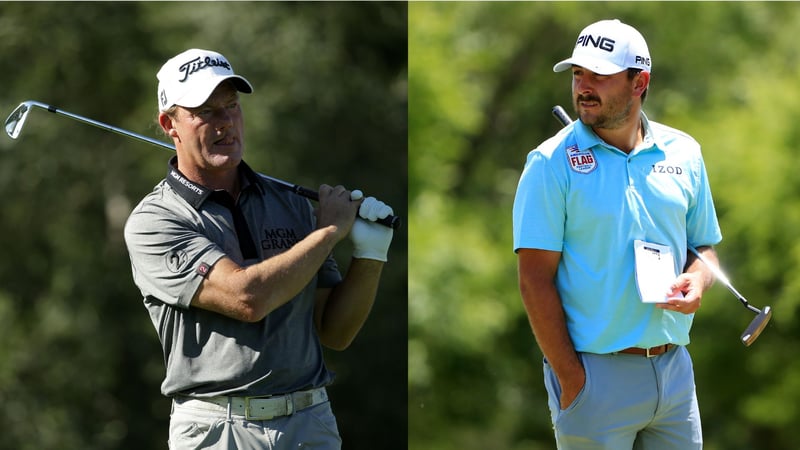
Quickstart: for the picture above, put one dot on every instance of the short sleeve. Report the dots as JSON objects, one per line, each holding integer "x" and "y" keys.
{"x": 539, "y": 207}
{"x": 169, "y": 256}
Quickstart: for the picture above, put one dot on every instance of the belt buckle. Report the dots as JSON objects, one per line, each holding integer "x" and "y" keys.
{"x": 661, "y": 349}
{"x": 249, "y": 415}
{"x": 288, "y": 407}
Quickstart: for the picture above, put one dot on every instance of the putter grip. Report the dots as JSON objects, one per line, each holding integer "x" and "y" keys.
{"x": 389, "y": 221}
{"x": 561, "y": 115}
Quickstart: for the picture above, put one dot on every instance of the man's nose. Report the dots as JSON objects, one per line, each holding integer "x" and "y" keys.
{"x": 582, "y": 86}
{"x": 223, "y": 118}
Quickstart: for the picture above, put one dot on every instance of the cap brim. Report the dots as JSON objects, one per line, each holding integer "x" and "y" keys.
{"x": 597, "y": 66}
{"x": 197, "y": 97}
{"x": 241, "y": 84}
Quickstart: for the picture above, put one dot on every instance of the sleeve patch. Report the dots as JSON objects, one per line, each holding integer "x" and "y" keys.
{"x": 203, "y": 269}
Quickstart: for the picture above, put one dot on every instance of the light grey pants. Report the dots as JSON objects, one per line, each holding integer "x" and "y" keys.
{"x": 629, "y": 402}
{"x": 312, "y": 428}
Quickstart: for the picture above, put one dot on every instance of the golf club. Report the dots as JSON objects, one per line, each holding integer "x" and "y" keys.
{"x": 561, "y": 115}
{"x": 17, "y": 118}
{"x": 763, "y": 316}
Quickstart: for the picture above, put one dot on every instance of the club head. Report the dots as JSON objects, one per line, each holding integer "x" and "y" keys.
{"x": 756, "y": 326}
{"x": 16, "y": 120}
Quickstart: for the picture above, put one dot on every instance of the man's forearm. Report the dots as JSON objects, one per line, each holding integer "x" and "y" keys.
{"x": 547, "y": 320}
{"x": 250, "y": 293}
{"x": 341, "y": 315}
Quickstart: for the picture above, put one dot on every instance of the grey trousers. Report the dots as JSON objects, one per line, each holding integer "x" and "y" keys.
{"x": 312, "y": 428}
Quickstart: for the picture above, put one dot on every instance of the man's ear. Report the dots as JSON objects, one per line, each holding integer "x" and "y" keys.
{"x": 641, "y": 82}
{"x": 167, "y": 125}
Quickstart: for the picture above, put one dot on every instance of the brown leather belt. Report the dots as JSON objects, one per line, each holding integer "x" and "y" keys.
{"x": 648, "y": 352}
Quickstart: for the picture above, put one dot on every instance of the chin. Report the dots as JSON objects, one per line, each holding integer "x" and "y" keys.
{"x": 224, "y": 160}
{"x": 586, "y": 118}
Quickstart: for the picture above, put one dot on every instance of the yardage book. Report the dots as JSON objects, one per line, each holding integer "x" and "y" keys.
{"x": 655, "y": 271}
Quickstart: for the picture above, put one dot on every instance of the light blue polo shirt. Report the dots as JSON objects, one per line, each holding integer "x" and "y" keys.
{"x": 588, "y": 200}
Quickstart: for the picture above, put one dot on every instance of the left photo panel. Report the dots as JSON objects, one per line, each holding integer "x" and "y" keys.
{"x": 205, "y": 225}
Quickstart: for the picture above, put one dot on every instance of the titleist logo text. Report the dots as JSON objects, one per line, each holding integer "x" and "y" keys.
{"x": 197, "y": 64}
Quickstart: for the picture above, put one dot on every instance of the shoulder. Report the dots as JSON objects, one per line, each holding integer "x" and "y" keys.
{"x": 158, "y": 208}
{"x": 156, "y": 201}
{"x": 555, "y": 145}
{"x": 669, "y": 136}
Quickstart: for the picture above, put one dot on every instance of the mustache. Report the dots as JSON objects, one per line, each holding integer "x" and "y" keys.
{"x": 588, "y": 98}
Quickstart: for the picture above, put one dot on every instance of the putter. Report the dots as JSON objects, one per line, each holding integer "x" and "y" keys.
{"x": 763, "y": 316}
{"x": 16, "y": 120}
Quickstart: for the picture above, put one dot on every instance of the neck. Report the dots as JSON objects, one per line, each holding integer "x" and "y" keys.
{"x": 225, "y": 180}
{"x": 625, "y": 137}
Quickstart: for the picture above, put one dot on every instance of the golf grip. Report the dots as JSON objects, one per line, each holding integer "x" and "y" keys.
{"x": 389, "y": 221}
{"x": 561, "y": 115}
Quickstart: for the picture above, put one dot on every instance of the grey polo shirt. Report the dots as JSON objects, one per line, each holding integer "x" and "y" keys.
{"x": 174, "y": 236}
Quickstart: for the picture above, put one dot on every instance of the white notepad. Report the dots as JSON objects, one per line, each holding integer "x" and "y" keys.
{"x": 655, "y": 271}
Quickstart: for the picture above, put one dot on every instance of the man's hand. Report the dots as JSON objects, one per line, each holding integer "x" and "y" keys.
{"x": 691, "y": 285}
{"x": 371, "y": 240}
{"x": 570, "y": 387}
{"x": 336, "y": 209}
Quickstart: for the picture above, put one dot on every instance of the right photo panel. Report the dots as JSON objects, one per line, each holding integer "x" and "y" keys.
{"x": 602, "y": 225}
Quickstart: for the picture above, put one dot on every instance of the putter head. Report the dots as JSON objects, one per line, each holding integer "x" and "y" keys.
{"x": 756, "y": 326}
{"x": 16, "y": 120}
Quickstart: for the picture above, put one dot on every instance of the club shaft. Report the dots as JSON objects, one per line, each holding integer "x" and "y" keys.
{"x": 106, "y": 126}
{"x": 722, "y": 278}
{"x": 389, "y": 221}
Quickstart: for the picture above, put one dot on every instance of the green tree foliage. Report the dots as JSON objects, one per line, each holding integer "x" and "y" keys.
{"x": 80, "y": 364}
{"x": 481, "y": 88}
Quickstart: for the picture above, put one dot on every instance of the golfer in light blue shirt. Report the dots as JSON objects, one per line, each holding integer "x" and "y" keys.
{"x": 604, "y": 210}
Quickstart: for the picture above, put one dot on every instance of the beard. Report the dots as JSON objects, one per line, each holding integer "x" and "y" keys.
{"x": 612, "y": 114}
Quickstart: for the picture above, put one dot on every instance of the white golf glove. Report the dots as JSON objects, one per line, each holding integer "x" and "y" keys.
{"x": 371, "y": 240}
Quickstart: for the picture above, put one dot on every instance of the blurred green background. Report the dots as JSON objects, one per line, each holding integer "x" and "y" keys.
{"x": 80, "y": 363}
{"x": 481, "y": 87}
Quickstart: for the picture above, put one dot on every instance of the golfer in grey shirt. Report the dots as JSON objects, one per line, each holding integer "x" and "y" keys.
{"x": 237, "y": 275}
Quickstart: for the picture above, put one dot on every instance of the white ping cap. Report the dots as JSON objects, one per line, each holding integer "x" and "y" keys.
{"x": 608, "y": 47}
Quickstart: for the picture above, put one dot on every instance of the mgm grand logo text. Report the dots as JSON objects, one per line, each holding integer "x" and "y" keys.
{"x": 279, "y": 239}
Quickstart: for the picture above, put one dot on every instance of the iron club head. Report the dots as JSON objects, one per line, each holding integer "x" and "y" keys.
{"x": 756, "y": 326}
{"x": 16, "y": 120}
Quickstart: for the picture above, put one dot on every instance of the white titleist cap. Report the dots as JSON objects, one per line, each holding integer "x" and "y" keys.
{"x": 608, "y": 47}
{"x": 189, "y": 78}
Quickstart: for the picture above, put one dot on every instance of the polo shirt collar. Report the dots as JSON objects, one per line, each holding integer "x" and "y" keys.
{"x": 194, "y": 193}
{"x": 586, "y": 138}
